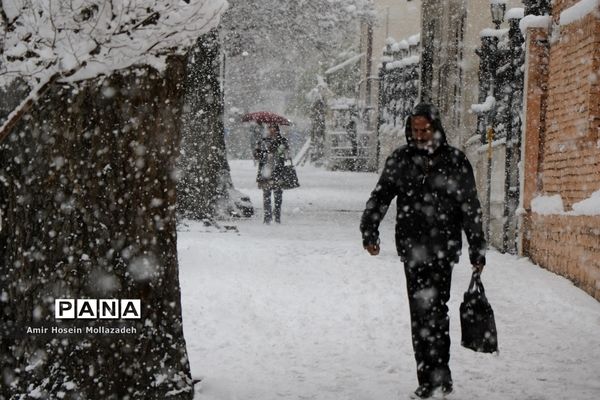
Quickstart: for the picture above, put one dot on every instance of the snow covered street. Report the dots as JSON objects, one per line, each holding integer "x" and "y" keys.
{"x": 301, "y": 311}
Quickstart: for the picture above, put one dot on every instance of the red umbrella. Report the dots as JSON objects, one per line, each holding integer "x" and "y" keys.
{"x": 265, "y": 117}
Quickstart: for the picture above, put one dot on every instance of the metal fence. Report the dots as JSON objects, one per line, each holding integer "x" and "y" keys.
{"x": 399, "y": 83}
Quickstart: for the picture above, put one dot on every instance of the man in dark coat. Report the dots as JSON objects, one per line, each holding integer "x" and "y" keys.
{"x": 436, "y": 199}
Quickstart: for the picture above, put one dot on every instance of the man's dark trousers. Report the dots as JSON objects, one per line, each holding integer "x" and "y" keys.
{"x": 428, "y": 287}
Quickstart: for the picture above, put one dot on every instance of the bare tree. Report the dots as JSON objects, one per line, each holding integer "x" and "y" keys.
{"x": 203, "y": 163}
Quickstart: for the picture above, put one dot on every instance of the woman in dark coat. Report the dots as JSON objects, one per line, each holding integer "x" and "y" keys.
{"x": 271, "y": 152}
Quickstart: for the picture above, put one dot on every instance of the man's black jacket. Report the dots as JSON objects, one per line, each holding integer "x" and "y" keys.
{"x": 436, "y": 200}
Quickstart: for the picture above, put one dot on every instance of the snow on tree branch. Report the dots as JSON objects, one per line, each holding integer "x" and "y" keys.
{"x": 43, "y": 38}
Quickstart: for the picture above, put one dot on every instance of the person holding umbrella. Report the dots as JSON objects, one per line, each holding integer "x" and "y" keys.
{"x": 271, "y": 152}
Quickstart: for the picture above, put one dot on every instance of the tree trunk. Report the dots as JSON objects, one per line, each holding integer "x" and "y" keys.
{"x": 87, "y": 194}
{"x": 205, "y": 175}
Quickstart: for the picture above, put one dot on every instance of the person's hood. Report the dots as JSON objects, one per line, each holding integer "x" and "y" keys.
{"x": 432, "y": 114}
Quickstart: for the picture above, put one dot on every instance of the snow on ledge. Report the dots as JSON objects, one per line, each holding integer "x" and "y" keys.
{"x": 579, "y": 11}
{"x": 548, "y": 205}
{"x": 515, "y": 13}
{"x": 489, "y": 103}
{"x": 498, "y": 1}
{"x": 589, "y": 206}
{"x": 535, "y": 21}
{"x": 495, "y": 144}
{"x": 553, "y": 205}
{"x": 489, "y": 32}
{"x": 403, "y": 63}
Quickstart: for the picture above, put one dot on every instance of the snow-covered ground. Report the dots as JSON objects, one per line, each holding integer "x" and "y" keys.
{"x": 301, "y": 311}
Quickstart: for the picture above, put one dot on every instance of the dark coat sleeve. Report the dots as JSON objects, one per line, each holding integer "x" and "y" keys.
{"x": 378, "y": 203}
{"x": 471, "y": 214}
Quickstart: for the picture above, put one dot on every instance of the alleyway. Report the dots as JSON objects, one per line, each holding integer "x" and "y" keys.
{"x": 300, "y": 311}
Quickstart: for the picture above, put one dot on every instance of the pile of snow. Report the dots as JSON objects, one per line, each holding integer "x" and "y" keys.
{"x": 579, "y": 11}
{"x": 515, "y": 13}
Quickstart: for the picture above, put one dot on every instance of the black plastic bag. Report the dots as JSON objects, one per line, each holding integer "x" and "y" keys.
{"x": 477, "y": 319}
{"x": 289, "y": 178}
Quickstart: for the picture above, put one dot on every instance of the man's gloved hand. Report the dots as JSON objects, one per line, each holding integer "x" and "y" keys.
{"x": 478, "y": 268}
{"x": 373, "y": 249}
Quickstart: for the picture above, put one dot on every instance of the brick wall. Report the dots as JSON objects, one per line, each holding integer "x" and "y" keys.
{"x": 562, "y": 147}
{"x": 536, "y": 97}
{"x": 571, "y": 162}
{"x": 568, "y": 245}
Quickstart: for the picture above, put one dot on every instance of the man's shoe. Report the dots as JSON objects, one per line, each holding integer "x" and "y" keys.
{"x": 443, "y": 392}
{"x": 422, "y": 392}
{"x": 446, "y": 389}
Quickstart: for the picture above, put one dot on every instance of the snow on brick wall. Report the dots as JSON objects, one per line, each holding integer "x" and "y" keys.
{"x": 577, "y": 6}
